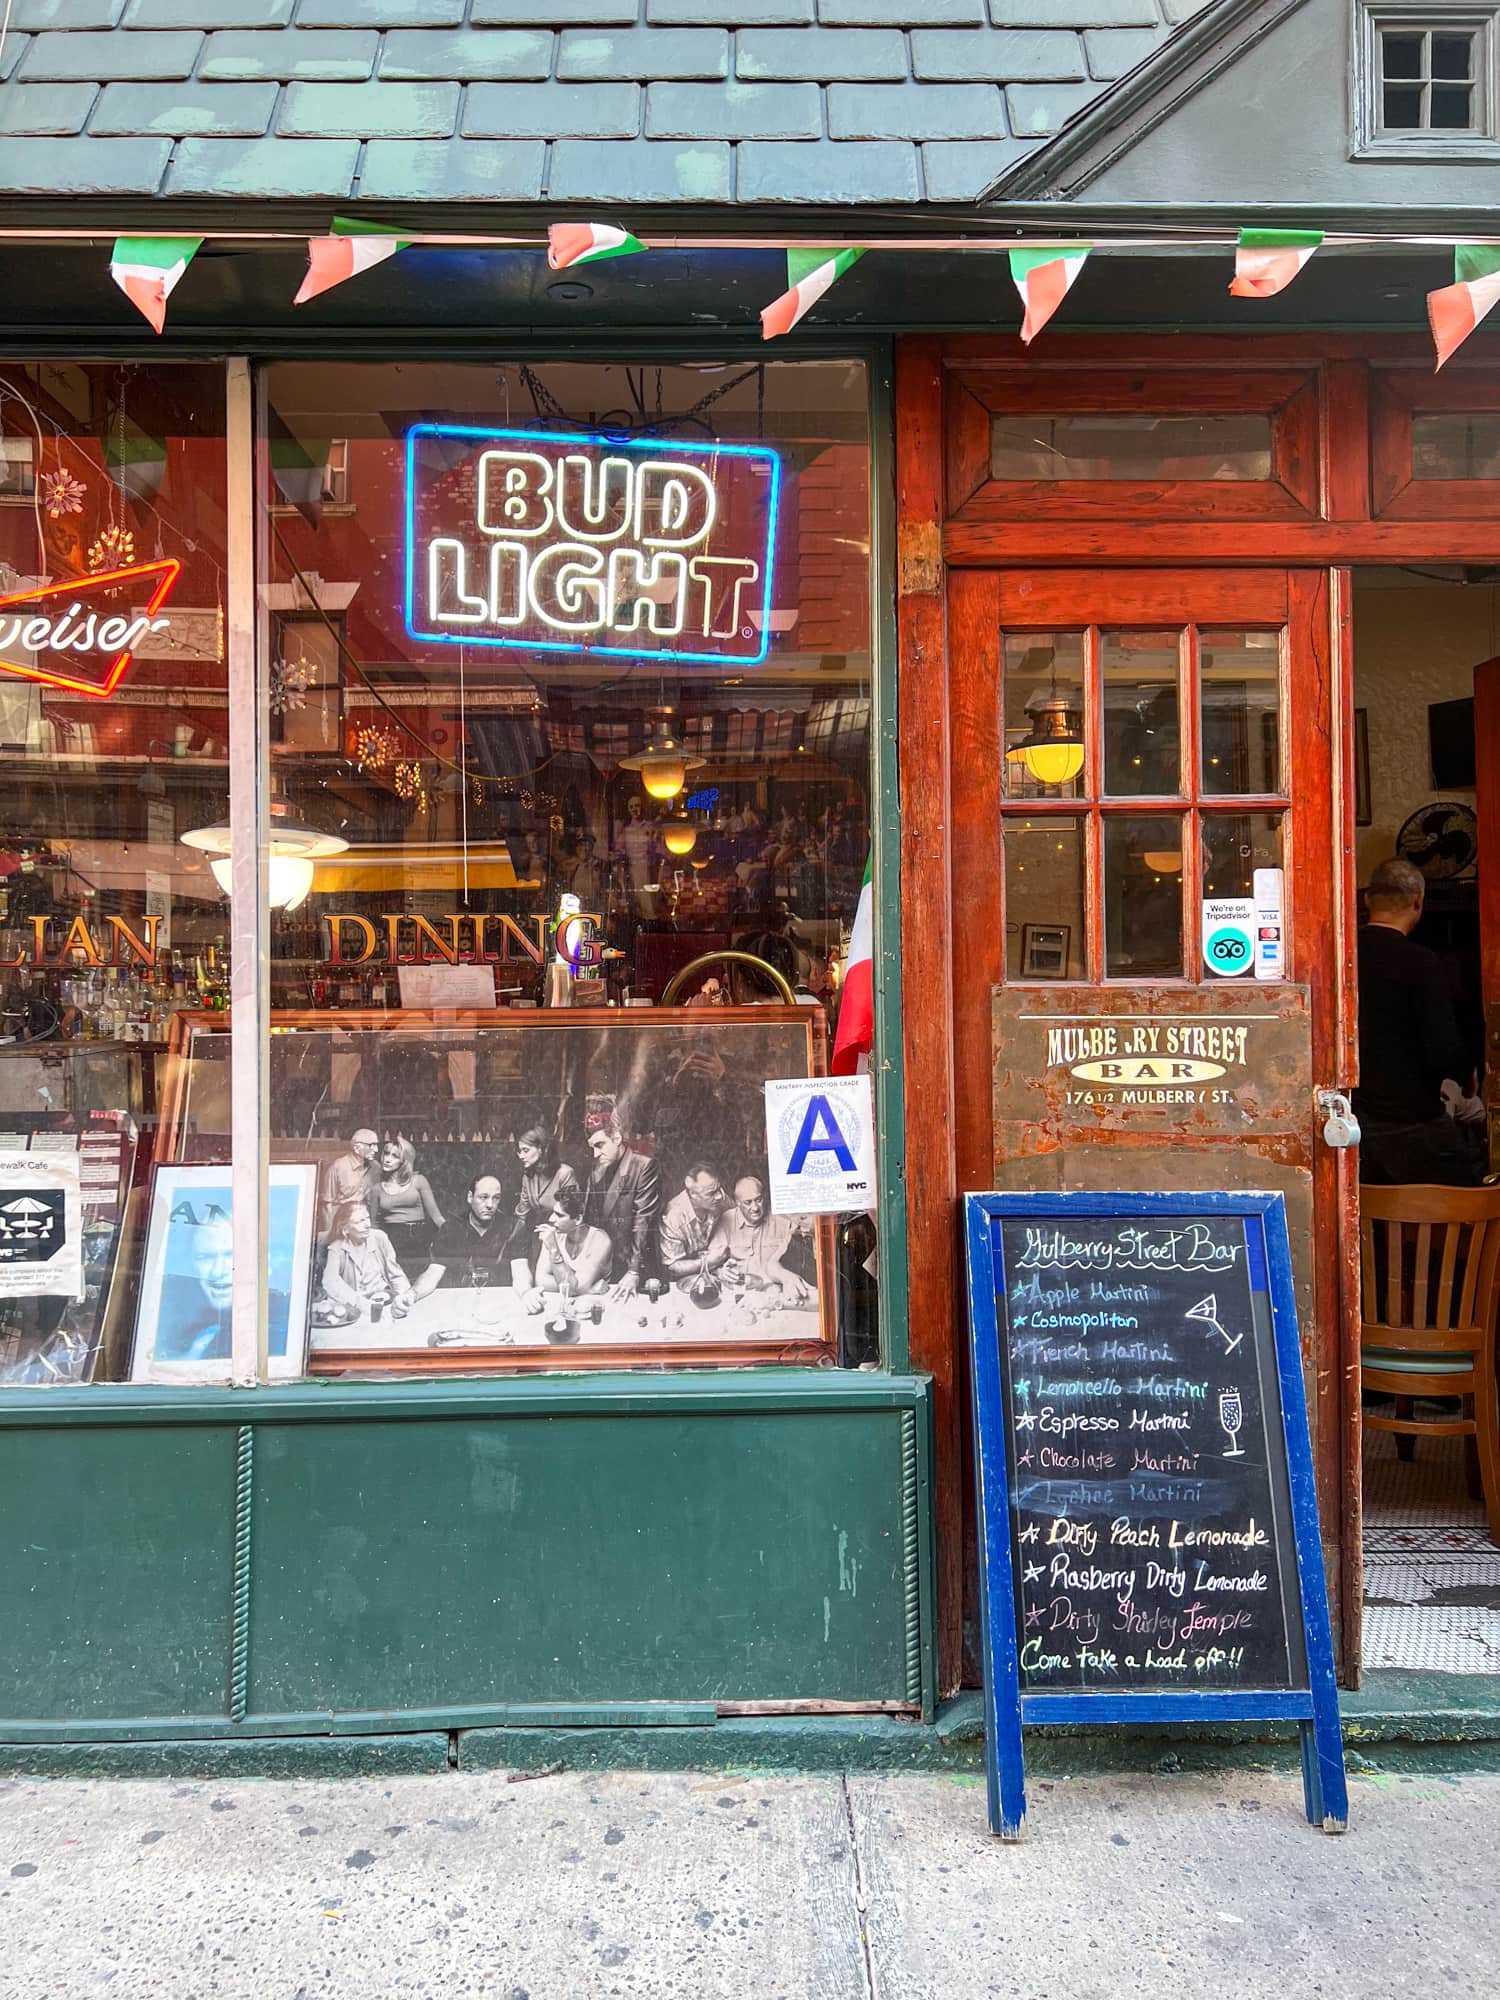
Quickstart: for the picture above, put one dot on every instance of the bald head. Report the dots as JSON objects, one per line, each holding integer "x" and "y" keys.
{"x": 1394, "y": 894}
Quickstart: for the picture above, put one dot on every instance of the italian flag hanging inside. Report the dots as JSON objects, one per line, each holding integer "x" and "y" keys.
{"x": 353, "y": 247}
{"x": 1267, "y": 260}
{"x": 1458, "y": 308}
{"x": 1044, "y": 278}
{"x": 809, "y": 273}
{"x": 146, "y": 268}
{"x": 588, "y": 243}
{"x": 856, "y": 1030}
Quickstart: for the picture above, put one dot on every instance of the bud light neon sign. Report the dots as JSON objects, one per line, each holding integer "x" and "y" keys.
{"x": 590, "y": 544}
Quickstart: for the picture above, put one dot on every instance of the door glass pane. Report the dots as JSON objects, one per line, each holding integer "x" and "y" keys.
{"x": 1044, "y": 715}
{"x": 1239, "y": 676}
{"x": 1219, "y": 444}
{"x": 1234, "y": 846}
{"x": 1143, "y": 896}
{"x": 1455, "y": 444}
{"x": 1044, "y": 937}
{"x": 1141, "y": 735}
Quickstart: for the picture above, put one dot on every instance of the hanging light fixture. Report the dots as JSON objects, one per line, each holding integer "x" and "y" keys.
{"x": 664, "y": 763}
{"x": 1052, "y": 749}
{"x": 294, "y": 846}
{"x": 679, "y": 835}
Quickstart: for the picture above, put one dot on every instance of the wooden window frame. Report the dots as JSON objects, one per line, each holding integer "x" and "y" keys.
{"x": 1287, "y": 396}
{"x": 1397, "y": 396}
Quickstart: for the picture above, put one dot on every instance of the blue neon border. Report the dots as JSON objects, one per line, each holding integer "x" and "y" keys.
{"x": 414, "y": 631}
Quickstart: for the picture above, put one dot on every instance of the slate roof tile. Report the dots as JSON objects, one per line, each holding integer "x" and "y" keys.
{"x": 369, "y": 111}
{"x": 639, "y": 170}
{"x": 1112, "y": 52}
{"x": 730, "y": 13}
{"x": 41, "y": 109}
{"x": 177, "y": 110}
{"x": 191, "y": 14}
{"x": 269, "y": 167}
{"x": 823, "y": 55}
{"x": 552, "y": 13}
{"x": 57, "y": 57}
{"x": 10, "y": 56}
{"x": 734, "y": 110}
{"x": 311, "y": 55}
{"x": 66, "y": 166}
{"x": 876, "y": 171}
{"x": 460, "y": 170}
{"x": 901, "y": 13}
{"x": 601, "y": 53}
{"x": 1039, "y": 108}
{"x": 380, "y": 13}
{"x": 552, "y": 111}
{"x": 907, "y": 111}
{"x": 959, "y": 173}
{"x": 30, "y": 16}
{"x": 428, "y": 54}
{"x": 967, "y": 55}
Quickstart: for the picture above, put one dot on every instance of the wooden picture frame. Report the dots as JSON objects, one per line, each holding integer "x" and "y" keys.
{"x": 1044, "y": 950}
{"x": 683, "y": 1084}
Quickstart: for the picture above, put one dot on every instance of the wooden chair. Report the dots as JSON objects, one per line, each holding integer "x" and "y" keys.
{"x": 1430, "y": 1272}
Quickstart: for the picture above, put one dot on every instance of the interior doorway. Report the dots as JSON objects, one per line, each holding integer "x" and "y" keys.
{"x": 1431, "y": 1571}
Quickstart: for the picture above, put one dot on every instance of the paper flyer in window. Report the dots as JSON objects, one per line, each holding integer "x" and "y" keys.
{"x": 41, "y": 1226}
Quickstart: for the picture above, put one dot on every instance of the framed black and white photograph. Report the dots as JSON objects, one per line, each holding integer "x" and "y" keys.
{"x": 523, "y": 1188}
{"x": 1044, "y": 951}
{"x": 182, "y": 1325}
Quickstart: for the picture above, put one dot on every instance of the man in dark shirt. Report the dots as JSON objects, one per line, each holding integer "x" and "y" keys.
{"x": 470, "y": 1249}
{"x": 1408, "y": 1043}
{"x": 623, "y": 1198}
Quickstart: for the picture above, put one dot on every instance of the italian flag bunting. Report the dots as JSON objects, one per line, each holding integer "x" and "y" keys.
{"x": 353, "y": 247}
{"x": 1458, "y": 308}
{"x": 146, "y": 268}
{"x": 809, "y": 273}
{"x": 856, "y": 1029}
{"x": 1267, "y": 260}
{"x": 1044, "y": 278}
{"x": 588, "y": 243}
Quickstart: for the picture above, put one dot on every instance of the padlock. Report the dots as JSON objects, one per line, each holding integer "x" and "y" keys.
{"x": 1340, "y": 1126}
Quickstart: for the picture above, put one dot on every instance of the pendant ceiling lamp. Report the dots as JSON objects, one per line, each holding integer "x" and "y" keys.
{"x": 1052, "y": 749}
{"x": 663, "y": 764}
{"x": 679, "y": 835}
{"x": 294, "y": 846}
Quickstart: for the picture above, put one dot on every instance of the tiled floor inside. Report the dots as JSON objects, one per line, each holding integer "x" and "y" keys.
{"x": 1432, "y": 1574}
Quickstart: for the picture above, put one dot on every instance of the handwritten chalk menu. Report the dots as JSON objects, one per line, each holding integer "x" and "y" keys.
{"x": 1148, "y": 1523}
{"x": 1149, "y": 1502}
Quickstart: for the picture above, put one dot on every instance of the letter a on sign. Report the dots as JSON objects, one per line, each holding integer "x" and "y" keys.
{"x": 820, "y": 1144}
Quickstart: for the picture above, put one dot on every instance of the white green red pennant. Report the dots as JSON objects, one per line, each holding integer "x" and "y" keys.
{"x": 856, "y": 1029}
{"x": 1267, "y": 260}
{"x": 146, "y": 268}
{"x": 809, "y": 273}
{"x": 353, "y": 247}
{"x": 1044, "y": 277}
{"x": 588, "y": 243}
{"x": 1457, "y": 309}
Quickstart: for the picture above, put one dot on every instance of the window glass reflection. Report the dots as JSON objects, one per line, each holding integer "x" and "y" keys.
{"x": 1142, "y": 740}
{"x": 1044, "y": 715}
{"x": 1143, "y": 864}
{"x": 1239, "y": 678}
{"x": 1044, "y": 919}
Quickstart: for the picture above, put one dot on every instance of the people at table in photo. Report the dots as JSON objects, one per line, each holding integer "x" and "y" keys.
{"x": 361, "y": 1270}
{"x": 403, "y": 1204}
{"x": 472, "y": 1248}
{"x": 689, "y": 1223}
{"x": 543, "y": 1176}
{"x": 573, "y": 1260}
{"x": 623, "y": 1198}
{"x": 353, "y": 1176}
{"x": 751, "y": 1244}
{"x": 192, "y": 1321}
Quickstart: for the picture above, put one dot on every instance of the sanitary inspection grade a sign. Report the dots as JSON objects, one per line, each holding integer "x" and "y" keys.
{"x": 820, "y": 1144}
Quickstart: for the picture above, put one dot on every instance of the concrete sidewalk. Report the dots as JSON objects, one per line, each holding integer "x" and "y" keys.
{"x": 685, "y": 1887}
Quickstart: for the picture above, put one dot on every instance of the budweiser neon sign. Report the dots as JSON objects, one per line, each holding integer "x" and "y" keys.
{"x": 63, "y": 635}
{"x": 590, "y": 544}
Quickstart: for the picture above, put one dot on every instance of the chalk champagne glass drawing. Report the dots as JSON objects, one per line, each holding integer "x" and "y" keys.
{"x": 1207, "y": 1312}
{"x": 1231, "y": 1420}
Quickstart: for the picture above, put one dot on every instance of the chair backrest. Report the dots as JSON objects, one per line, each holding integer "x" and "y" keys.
{"x": 1429, "y": 1265}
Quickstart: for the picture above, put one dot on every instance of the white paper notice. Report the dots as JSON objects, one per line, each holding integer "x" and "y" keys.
{"x": 820, "y": 1142}
{"x": 447, "y": 985}
{"x": 1270, "y": 925}
{"x": 41, "y": 1226}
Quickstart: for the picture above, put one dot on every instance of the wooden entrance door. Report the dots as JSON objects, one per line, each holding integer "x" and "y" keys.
{"x": 1125, "y": 746}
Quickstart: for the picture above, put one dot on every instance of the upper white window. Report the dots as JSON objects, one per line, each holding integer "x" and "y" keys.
{"x": 1425, "y": 81}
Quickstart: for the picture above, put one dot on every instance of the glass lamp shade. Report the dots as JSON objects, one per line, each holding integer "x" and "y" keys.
{"x": 1053, "y": 750}
{"x": 679, "y": 836}
{"x": 289, "y": 877}
{"x": 663, "y": 768}
{"x": 1163, "y": 860}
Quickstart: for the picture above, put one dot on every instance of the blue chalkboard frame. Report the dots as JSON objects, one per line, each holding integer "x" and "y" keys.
{"x": 1314, "y": 1707}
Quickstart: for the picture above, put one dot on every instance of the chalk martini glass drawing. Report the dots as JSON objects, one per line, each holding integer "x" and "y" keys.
{"x": 1207, "y": 1313}
{"x": 1231, "y": 1420}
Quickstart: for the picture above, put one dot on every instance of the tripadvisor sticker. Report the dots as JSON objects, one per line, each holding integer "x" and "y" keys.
{"x": 1229, "y": 934}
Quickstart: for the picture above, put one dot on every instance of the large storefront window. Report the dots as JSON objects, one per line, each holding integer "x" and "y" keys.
{"x": 114, "y": 735}
{"x": 569, "y": 705}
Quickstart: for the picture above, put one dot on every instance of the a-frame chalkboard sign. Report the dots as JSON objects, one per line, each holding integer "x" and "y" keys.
{"x": 1148, "y": 1529}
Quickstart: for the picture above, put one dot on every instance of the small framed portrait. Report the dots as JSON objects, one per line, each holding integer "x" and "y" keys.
{"x": 1044, "y": 951}
{"x": 182, "y": 1323}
